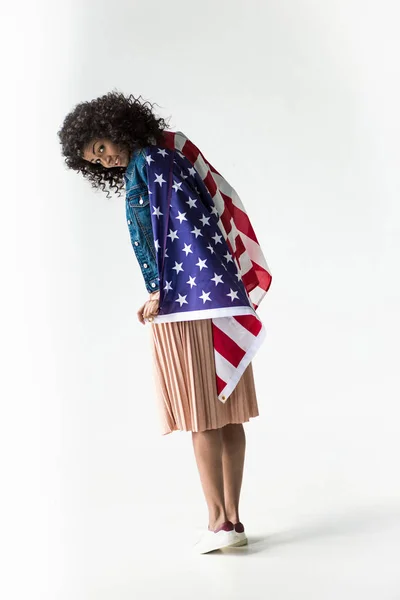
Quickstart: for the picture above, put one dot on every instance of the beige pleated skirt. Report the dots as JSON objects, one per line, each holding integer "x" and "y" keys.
{"x": 185, "y": 382}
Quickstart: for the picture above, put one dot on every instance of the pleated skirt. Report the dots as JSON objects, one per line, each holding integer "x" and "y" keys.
{"x": 185, "y": 380}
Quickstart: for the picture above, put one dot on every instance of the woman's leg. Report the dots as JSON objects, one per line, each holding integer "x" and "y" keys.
{"x": 233, "y": 451}
{"x": 208, "y": 451}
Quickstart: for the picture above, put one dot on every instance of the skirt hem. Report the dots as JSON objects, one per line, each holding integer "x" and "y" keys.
{"x": 220, "y": 426}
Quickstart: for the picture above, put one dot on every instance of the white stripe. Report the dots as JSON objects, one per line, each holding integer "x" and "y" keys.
{"x": 245, "y": 263}
{"x": 179, "y": 140}
{"x": 234, "y": 379}
{"x": 228, "y": 190}
{"x": 235, "y": 330}
{"x": 257, "y": 295}
{"x": 254, "y": 251}
{"x": 201, "y": 167}
{"x": 224, "y": 369}
{"x": 210, "y": 313}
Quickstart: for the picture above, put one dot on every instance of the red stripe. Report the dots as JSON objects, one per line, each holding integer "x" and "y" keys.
{"x": 264, "y": 278}
{"x": 250, "y": 280}
{"x": 240, "y": 218}
{"x": 227, "y": 347}
{"x": 220, "y": 385}
{"x": 190, "y": 151}
{"x": 169, "y": 140}
{"x": 252, "y": 324}
{"x": 226, "y": 220}
{"x": 229, "y": 247}
{"x": 239, "y": 246}
{"x": 213, "y": 169}
{"x": 256, "y": 276}
{"x": 210, "y": 184}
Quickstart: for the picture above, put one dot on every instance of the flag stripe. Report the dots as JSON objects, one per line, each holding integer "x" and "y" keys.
{"x": 250, "y": 323}
{"x": 227, "y": 347}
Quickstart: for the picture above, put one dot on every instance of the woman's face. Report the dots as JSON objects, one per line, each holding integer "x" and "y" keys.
{"x": 104, "y": 152}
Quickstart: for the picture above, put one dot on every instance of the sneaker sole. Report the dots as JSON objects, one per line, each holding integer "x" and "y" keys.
{"x": 228, "y": 544}
{"x": 243, "y": 542}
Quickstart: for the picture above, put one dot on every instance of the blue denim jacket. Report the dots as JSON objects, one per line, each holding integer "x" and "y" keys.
{"x": 139, "y": 218}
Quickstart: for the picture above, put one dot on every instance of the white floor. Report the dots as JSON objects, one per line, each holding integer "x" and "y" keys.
{"x": 354, "y": 555}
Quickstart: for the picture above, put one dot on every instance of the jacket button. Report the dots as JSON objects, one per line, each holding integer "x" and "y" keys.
{"x": 136, "y": 243}
{"x": 129, "y": 222}
{"x": 141, "y": 201}
{"x": 145, "y": 265}
{"x": 153, "y": 284}
{"x": 223, "y": 397}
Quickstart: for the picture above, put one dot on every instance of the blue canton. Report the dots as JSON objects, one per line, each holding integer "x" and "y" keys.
{"x": 196, "y": 270}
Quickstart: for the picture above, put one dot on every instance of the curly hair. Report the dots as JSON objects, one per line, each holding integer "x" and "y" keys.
{"x": 124, "y": 120}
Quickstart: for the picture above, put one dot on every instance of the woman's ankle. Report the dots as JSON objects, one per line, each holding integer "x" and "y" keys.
{"x": 216, "y": 520}
{"x": 233, "y": 515}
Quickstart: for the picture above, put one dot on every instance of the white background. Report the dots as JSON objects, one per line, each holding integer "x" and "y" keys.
{"x": 296, "y": 103}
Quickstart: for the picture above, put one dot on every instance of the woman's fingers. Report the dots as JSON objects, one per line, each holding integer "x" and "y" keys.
{"x": 148, "y": 309}
{"x": 140, "y": 313}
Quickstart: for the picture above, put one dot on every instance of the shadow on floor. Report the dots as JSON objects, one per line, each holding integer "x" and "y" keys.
{"x": 358, "y": 521}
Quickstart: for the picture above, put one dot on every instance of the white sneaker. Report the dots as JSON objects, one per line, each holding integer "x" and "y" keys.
{"x": 223, "y": 537}
{"x": 241, "y": 538}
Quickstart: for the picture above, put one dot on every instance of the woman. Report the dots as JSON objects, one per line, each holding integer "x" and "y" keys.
{"x": 118, "y": 142}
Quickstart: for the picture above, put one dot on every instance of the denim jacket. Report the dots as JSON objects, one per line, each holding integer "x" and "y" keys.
{"x": 139, "y": 219}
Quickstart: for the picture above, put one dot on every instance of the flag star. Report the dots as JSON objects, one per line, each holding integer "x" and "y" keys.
{"x": 238, "y": 276}
{"x": 210, "y": 248}
{"x": 233, "y": 295}
{"x": 156, "y": 245}
{"x": 214, "y": 211}
{"x": 165, "y": 254}
{"x": 205, "y": 296}
{"x": 192, "y": 171}
{"x": 187, "y": 249}
{"x": 157, "y": 211}
{"x": 205, "y": 220}
{"x": 191, "y": 202}
{"x": 149, "y": 159}
{"x": 173, "y": 235}
{"x": 181, "y": 217}
{"x": 202, "y": 264}
{"x": 191, "y": 281}
{"x": 196, "y": 232}
{"x": 181, "y": 300}
{"x": 168, "y": 286}
{"x": 163, "y": 152}
{"x": 228, "y": 257}
{"x": 183, "y": 175}
{"x": 177, "y": 186}
{"x": 178, "y": 267}
{"x": 217, "y": 279}
{"x": 159, "y": 179}
{"x": 217, "y": 238}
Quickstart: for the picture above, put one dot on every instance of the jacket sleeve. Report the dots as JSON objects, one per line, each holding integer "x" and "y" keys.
{"x": 139, "y": 222}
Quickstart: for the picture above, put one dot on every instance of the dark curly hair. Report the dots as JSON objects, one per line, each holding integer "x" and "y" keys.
{"x": 124, "y": 120}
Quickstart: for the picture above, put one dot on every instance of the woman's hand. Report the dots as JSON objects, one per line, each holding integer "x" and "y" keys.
{"x": 149, "y": 308}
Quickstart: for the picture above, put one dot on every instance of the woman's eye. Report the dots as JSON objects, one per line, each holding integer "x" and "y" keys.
{"x": 100, "y": 149}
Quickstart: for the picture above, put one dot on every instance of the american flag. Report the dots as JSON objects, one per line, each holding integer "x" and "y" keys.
{"x": 209, "y": 261}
